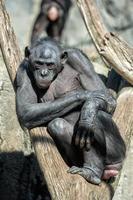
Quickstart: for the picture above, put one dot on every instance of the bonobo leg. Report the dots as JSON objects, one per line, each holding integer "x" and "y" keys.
{"x": 105, "y": 156}
{"x": 61, "y": 131}
{"x": 107, "y": 152}
{"x": 55, "y": 29}
{"x": 40, "y": 25}
{"x": 93, "y": 166}
{"x": 115, "y": 146}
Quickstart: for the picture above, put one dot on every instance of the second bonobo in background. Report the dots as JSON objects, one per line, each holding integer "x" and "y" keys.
{"x": 51, "y": 19}
{"x": 57, "y": 87}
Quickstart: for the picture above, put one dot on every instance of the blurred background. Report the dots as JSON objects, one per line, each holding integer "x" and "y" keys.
{"x": 118, "y": 17}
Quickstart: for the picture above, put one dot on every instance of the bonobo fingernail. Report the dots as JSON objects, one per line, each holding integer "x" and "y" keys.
{"x": 97, "y": 181}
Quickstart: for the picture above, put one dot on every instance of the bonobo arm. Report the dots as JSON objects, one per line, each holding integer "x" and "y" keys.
{"x": 41, "y": 23}
{"x": 30, "y": 112}
{"x": 81, "y": 63}
{"x": 103, "y": 100}
{"x": 89, "y": 79}
{"x": 39, "y": 27}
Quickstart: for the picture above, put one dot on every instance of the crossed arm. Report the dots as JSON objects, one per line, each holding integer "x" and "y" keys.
{"x": 103, "y": 100}
{"x": 30, "y": 112}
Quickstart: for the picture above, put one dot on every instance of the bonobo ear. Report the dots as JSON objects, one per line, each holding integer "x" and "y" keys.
{"x": 64, "y": 57}
{"x": 27, "y": 52}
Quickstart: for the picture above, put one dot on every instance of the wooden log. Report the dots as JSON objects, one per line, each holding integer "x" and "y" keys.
{"x": 111, "y": 47}
{"x": 61, "y": 185}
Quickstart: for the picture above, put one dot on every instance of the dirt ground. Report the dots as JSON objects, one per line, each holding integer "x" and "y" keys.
{"x": 23, "y": 13}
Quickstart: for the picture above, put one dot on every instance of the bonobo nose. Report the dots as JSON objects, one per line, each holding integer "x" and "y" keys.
{"x": 44, "y": 72}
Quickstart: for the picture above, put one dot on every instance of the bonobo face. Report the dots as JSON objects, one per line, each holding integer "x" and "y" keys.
{"x": 45, "y": 63}
{"x": 44, "y": 73}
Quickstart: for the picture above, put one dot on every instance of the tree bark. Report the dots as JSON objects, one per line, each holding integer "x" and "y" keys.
{"x": 61, "y": 185}
{"x": 111, "y": 47}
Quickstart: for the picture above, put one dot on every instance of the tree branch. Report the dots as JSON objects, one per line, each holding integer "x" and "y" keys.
{"x": 61, "y": 185}
{"x": 111, "y": 47}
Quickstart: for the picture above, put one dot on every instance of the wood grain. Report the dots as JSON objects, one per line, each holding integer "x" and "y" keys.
{"x": 61, "y": 185}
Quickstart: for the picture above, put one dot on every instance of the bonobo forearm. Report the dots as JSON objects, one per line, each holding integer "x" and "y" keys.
{"x": 90, "y": 108}
{"x": 39, "y": 27}
{"x": 33, "y": 115}
{"x": 89, "y": 112}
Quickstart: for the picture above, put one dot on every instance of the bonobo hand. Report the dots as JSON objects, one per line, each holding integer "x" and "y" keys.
{"x": 83, "y": 95}
{"x": 98, "y": 100}
{"x": 84, "y": 136}
{"x": 102, "y": 98}
{"x": 85, "y": 132}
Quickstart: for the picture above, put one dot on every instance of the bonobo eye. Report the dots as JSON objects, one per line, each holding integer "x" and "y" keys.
{"x": 50, "y": 65}
{"x": 38, "y": 62}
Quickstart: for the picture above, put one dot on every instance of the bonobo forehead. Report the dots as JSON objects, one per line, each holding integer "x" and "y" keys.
{"x": 47, "y": 50}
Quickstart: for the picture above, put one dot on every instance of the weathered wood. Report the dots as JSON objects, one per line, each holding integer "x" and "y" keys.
{"x": 61, "y": 185}
{"x": 113, "y": 49}
{"x": 123, "y": 115}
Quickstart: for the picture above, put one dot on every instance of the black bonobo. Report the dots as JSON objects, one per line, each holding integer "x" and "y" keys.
{"x": 51, "y": 19}
{"x": 58, "y": 88}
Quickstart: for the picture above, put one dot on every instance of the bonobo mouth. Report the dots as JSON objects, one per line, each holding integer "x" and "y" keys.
{"x": 43, "y": 84}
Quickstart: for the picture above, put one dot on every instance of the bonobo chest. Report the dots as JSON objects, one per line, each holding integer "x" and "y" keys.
{"x": 66, "y": 81}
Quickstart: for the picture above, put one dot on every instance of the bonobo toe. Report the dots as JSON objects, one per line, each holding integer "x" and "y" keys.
{"x": 86, "y": 173}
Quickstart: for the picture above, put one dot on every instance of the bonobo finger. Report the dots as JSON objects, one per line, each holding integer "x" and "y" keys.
{"x": 77, "y": 138}
{"x": 82, "y": 139}
{"x": 88, "y": 143}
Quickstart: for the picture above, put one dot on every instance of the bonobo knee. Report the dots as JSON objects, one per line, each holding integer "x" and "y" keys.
{"x": 105, "y": 119}
{"x": 56, "y": 126}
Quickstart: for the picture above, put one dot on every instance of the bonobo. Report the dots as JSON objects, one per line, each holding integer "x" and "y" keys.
{"x": 58, "y": 88}
{"x": 51, "y": 19}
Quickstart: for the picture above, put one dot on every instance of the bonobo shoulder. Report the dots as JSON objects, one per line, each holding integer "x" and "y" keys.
{"x": 78, "y": 55}
{"x": 79, "y": 61}
{"x": 76, "y": 51}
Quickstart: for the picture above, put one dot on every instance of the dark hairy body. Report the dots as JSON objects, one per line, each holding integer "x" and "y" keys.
{"x": 58, "y": 88}
{"x": 51, "y": 22}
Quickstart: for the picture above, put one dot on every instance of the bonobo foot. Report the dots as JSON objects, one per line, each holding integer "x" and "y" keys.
{"x": 95, "y": 175}
{"x": 88, "y": 173}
